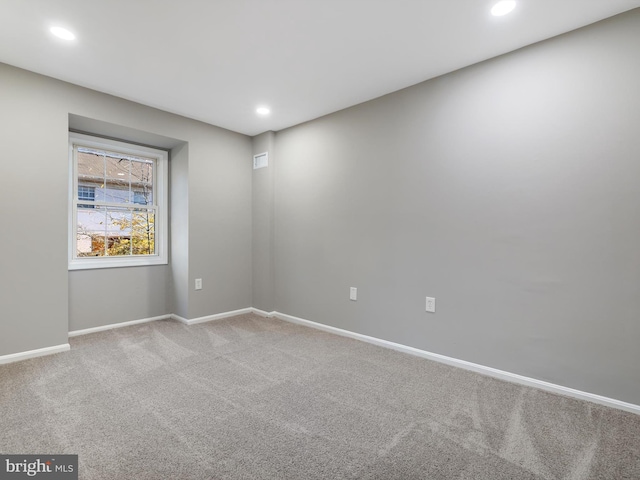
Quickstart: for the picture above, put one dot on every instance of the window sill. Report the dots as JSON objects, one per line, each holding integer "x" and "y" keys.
{"x": 115, "y": 262}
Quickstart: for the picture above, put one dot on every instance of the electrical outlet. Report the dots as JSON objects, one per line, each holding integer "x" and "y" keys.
{"x": 353, "y": 294}
{"x": 198, "y": 284}
{"x": 431, "y": 305}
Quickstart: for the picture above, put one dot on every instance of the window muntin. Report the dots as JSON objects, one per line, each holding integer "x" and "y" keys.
{"x": 118, "y": 217}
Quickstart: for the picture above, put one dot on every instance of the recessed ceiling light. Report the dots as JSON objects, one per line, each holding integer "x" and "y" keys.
{"x": 62, "y": 33}
{"x": 503, "y": 7}
{"x": 263, "y": 111}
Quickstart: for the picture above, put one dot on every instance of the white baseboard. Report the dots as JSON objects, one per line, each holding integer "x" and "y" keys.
{"x": 173, "y": 316}
{"x": 40, "y": 352}
{"x": 16, "y": 357}
{"x": 180, "y": 319}
{"x": 474, "y": 367}
{"x": 102, "y": 328}
{"x": 209, "y": 318}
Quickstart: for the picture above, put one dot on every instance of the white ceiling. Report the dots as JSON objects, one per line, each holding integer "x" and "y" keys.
{"x": 217, "y": 60}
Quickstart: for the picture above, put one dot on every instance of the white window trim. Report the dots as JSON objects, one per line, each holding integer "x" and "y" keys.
{"x": 160, "y": 194}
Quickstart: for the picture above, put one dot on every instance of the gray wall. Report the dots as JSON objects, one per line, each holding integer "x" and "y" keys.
{"x": 507, "y": 190}
{"x": 33, "y": 264}
{"x": 263, "y": 219}
{"x": 220, "y": 222}
{"x": 179, "y": 286}
{"x": 113, "y": 295}
{"x": 41, "y": 300}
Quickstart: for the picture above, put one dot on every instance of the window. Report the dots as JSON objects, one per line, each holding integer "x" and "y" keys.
{"x": 118, "y": 207}
{"x": 86, "y": 193}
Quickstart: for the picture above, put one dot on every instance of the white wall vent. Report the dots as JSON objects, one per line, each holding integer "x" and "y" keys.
{"x": 261, "y": 160}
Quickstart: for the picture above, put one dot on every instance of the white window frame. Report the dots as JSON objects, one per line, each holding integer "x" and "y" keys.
{"x": 160, "y": 199}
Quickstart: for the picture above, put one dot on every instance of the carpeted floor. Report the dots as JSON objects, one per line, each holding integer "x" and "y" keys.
{"x": 256, "y": 398}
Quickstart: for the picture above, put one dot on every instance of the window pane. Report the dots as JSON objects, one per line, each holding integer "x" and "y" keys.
{"x": 90, "y": 236}
{"x": 118, "y": 232}
{"x": 143, "y": 232}
{"x": 84, "y": 245}
{"x": 90, "y": 175}
{"x": 142, "y": 182}
{"x": 117, "y": 180}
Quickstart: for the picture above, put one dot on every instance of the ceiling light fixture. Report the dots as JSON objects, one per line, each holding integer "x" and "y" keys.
{"x": 263, "y": 111}
{"x": 62, "y": 33}
{"x": 503, "y": 7}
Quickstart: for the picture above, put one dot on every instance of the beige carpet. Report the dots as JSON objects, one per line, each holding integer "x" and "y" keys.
{"x": 255, "y": 398}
